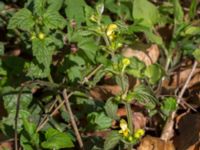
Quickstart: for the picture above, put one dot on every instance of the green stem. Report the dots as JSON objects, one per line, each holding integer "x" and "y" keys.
{"x": 130, "y": 123}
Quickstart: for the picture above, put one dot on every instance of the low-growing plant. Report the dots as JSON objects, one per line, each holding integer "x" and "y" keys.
{"x": 68, "y": 47}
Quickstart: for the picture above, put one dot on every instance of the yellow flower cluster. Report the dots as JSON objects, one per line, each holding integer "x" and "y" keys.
{"x": 110, "y": 32}
{"x": 126, "y": 132}
{"x": 124, "y": 128}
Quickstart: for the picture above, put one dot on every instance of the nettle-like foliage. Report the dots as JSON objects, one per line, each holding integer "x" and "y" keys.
{"x": 74, "y": 45}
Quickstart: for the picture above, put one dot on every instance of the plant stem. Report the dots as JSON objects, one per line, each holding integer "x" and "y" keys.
{"x": 130, "y": 123}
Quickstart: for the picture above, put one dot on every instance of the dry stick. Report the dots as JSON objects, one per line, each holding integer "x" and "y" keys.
{"x": 53, "y": 113}
{"x": 71, "y": 115}
{"x": 168, "y": 128}
{"x": 16, "y": 117}
{"x": 91, "y": 74}
{"x": 46, "y": 119}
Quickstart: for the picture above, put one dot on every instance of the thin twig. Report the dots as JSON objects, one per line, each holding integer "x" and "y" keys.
{"x": 46, "y": 118}
{"x": 91, "y": 74}
{"x": 16, "y": 117}
{"x": 168, "y": 128}
{"x": 71, "y": 115}
{"x": 53, "y": 113}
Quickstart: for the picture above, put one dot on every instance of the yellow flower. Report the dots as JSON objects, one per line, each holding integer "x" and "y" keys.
{"x": 124, "y": 128}
{"x": 110, "y": 32}
{"x": 126, "y": 61}
{"x": 139, "y": 133}
{"x": 41, "y": 36}
{"x": 123, "y": 124}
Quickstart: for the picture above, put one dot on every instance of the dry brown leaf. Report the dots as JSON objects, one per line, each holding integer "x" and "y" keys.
{"x": 189, "y": 129}
{"x": 139, "y": 120}
{"x": 150, "y": 57}
{"x": 154, "y": 143}
{"x": 179, "y": 78}
{"x": 104, "y": 92}
{"x": 129, "y": 52}
{"x": 153, "y": 53}
{"x": 196, "y": 146}
{"x": 6, "y": 145}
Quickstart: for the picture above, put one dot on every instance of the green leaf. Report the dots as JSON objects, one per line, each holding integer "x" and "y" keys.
{"x": 10, "y": 96}
{"x": 154, "y": 73}
{"x": 39, "y": 7}
{"x": 169, "y": 105}
{"x": 89, "y": 48}
{"x": 122, "y": 81}
{"x": 1, "y": 48}
{"x": 35, "y": 70}
{"x": 57, "y": 140}
{"x": 10, "y": 99}
{"x": 193, "y": 8}
{"x": 145, "y": 96}
{"x": 146, "y": 12}
{"x": 112, "y": 140}
{"x": 111, "y": 108}
{"x": 2, "y": 6}
{"x": 29, "y": 137}
{"x": 42, "y": 52}
{"x": 55, "y": 5}
{"x": 121, "y": 10}
{"x": 1, "y": 52}
{"x": 23, "y": 19}
{"x": 191, "y": 30}
{"x": 29, "y": 127}
{"x": 136, "y": 67}
{"x": 74, "y": 73}
{"x": 178, "y": 12}
{"x": 154, "y": 38}
{"x": 99, "y": 121}
{"x": 196, "y": 54}
{"x": 53, "y": 20}
{"x": 75, "y": 10}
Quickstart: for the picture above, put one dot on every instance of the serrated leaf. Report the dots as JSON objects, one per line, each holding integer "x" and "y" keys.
{"x": 196, "y": 54}
{"x": 154, "y": 73}
{"x": 99, "y": 121}
{"x": 10, "y": 96}
{"x": 89, "y": 48}
{"x": 112, "y": 140}
{"x": 75, "y": 10}
{"x": 146, "y": 12}
{"x": 55, "y": 5}
{"x": 10, "y": 99}
{"x": 23, "y": 19}
{"x": 136, "y": 67}
{"x": 39, "y": 7}
{"x": 145, "y": 96}
{"x": 169, "y": 105}
{"x": 57, "y": 140}
{"x": 74, "y": 73}
{"x": 53, "y": 20}
{"x": 111, "y": 109}
{"x": 36, "y": 70}
{"x": 42, "y": 52}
